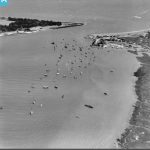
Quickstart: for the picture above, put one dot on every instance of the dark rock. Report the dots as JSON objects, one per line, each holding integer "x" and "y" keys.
{"x": 139, "y": 73}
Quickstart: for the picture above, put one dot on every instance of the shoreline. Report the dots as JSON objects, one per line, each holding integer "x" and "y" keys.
{"x": 137, "y": 134}
{"x": 40, "y": 28}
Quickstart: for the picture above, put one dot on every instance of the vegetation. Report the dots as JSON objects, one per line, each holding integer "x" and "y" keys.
{"x": 26, "y": 24}
{"x": 139, "y": 39}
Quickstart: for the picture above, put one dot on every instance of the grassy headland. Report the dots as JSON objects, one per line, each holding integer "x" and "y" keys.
{"x": 26, "y": 24}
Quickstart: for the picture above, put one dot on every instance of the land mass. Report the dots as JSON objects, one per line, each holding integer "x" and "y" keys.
{"x": 26, "y": 25}
{"x": 137, "y": 135}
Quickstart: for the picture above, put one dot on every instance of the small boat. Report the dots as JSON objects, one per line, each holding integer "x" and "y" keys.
{"x": 45, "y": 75}
{"x": 45, "y": 87}
{"x": 89, "y": 106}
{"x": 56, "y": 87}
{"x": 57, "y": 73}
